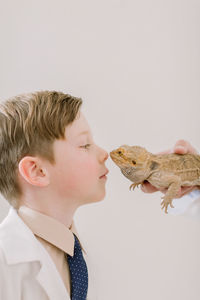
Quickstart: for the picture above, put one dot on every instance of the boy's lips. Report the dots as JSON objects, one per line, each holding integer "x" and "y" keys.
{"x": 104, "y": 174}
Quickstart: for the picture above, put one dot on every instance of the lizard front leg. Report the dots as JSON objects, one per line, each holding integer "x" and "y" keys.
{"x": 171, "y": 193}
{"x": 133, "y": 185}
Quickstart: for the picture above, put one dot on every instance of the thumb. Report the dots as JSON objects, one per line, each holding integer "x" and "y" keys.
{"x": 179, "y": 149}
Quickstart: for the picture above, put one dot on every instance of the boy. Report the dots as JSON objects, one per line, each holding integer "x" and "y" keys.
{"x": 49, "y": 166}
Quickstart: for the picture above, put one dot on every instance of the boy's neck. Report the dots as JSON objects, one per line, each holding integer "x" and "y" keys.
{"x": 62, "y": 214}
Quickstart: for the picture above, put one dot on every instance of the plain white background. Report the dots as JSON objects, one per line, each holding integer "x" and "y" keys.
{"x": 136, "y": 66}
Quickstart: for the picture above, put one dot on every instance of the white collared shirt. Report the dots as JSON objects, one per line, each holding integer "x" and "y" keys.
{"x": 55, "y": 237}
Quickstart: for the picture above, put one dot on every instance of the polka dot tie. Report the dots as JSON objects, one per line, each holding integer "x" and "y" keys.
{"x": 78, "y": 272}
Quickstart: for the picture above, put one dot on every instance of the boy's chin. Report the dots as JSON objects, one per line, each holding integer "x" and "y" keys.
{"x": 95, "y": 199}
{"x": 100, "y": 197}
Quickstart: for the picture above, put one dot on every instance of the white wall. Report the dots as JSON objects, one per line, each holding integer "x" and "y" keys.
{"x": 136, "y": 66}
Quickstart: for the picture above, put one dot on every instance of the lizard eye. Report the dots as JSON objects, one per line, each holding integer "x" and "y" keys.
{"x": 133, "y": 162}
{"x": 119, "y": 152}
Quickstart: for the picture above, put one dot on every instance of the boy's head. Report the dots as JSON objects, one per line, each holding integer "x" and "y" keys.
{"x": 44, "y": 153}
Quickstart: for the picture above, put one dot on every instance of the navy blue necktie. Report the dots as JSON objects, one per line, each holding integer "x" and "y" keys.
{"x": 78, "y": 272}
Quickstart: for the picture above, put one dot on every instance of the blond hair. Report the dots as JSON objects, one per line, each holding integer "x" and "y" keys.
{"x": 29, "y": 125}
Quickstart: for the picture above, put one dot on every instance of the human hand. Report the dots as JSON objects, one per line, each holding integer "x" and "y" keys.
{"x": 181, "y": 147}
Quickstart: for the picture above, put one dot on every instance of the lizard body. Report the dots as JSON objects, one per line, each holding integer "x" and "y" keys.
{"x": 169, "y": 171}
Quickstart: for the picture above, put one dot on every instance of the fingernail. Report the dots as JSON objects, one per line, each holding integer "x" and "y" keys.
{"x": 180, "y": 149}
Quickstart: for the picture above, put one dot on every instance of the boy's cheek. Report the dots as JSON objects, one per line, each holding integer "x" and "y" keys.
{"x": 72, "y": 172}
{"x": 91, "y": 170}
{"x": 84, "y": 166}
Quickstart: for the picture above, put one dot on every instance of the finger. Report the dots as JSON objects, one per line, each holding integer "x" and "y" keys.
{"x": 168, "y": 151}
{"x": 185, "y": 190}
{"x": 183, "y": 147}
{"x": 180, "y": 149}
{"x": 146, "y": 187}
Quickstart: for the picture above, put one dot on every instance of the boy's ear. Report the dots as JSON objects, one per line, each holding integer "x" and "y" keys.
{"x": 33, "y": 171}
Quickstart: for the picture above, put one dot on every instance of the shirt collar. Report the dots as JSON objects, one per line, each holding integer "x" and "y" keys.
{"x": 49, "y": 229}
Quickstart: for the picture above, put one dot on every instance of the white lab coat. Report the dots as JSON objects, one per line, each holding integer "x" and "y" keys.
{"x": 187, "y": 206}
{"x": 27, "y": 272}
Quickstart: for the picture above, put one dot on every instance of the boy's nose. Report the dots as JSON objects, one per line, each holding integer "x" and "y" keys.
{"x": 104, "y": 155}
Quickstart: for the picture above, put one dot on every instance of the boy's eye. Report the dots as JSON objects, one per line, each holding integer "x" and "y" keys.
{"x": 86, "y": 146}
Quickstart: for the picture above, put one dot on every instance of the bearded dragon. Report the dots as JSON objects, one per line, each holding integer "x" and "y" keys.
{"x": 169, "y": 171}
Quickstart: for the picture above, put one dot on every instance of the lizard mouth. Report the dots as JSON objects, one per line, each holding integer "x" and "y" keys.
{"x": 114, "y": 156}
{"x": 117, "y": 159}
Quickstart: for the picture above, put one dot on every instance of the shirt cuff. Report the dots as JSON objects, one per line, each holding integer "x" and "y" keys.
{"x": 184, "y": 204}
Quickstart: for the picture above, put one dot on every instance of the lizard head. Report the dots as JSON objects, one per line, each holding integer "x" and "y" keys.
{"x": 132, "y": 160}
{"x": 130, "y": 156}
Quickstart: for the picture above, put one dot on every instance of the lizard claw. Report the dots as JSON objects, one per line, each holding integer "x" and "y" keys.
{"x": 165, "y": 203}
{"x": 133, "y": 185}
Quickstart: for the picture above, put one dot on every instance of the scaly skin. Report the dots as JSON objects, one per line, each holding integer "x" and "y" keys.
{"x": 169, "y": 171}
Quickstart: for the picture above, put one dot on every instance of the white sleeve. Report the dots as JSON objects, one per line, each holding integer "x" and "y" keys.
{"x": 188, "y": 205}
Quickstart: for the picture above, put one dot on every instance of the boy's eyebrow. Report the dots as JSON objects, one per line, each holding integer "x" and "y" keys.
{"x": 84, "y": 132}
